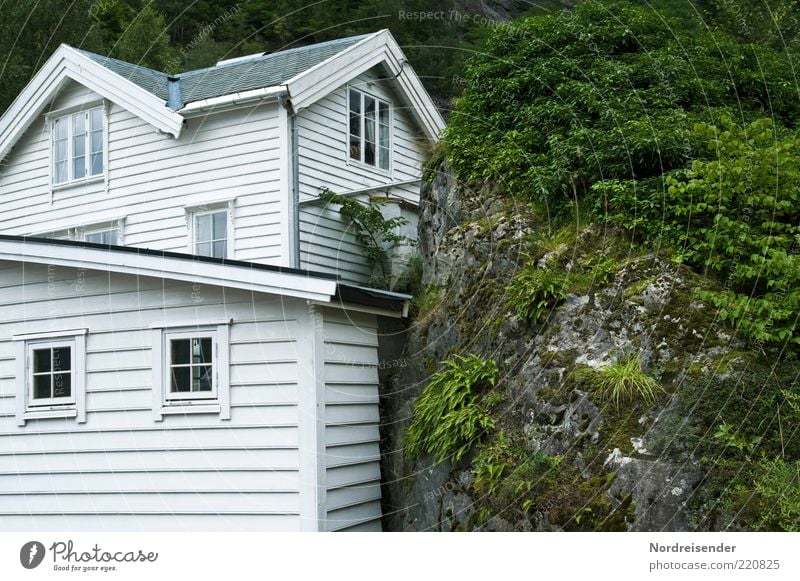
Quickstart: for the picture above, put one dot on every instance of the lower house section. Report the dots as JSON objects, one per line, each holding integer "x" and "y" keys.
{"x": 136, "y": 403}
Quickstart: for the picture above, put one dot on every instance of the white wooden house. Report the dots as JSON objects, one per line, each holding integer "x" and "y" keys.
{"x": 185, "y": 341}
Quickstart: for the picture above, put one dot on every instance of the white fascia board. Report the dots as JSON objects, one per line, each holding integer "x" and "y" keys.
{"x": 226, "y": 102}
{"x": 380, "y": 48}
{"x": 67, "y": 63}
{"x": 171, "y": 268}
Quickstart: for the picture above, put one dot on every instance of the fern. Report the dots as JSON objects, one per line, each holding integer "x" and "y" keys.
{"x": 448, "y": 418}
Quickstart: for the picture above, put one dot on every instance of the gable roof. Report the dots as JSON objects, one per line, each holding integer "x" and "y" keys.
{"x": 257, "y": 72}
{"x": 305, "y": 74}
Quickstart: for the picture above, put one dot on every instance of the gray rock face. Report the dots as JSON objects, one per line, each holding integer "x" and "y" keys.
{"x": 472, "y": 245}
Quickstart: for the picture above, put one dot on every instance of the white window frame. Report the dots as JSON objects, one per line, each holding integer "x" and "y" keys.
{"x": 113, "y": 226}
{"x": 73, "y": 406}
{"x": 215, "y": 402}
{"x": 79, "y": 233}
{"x": 360, "y": 162}
{"x": 66, "y": 114}
{"x": 228, "y": 205}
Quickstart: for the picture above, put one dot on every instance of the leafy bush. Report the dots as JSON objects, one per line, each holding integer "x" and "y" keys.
{"x": 777, "y": 495}
{"x": 534, "y": 291}
{"x": 448, "y": 416}
{"x": 609, "y": 90}
{"x": 737, "y": 217}
{"x": 624, "y": 381}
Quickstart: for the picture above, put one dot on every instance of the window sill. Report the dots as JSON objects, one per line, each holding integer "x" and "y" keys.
{"x": 35, "y": 414}
{"x": 370, "y": 168}
{"x": 198, "y": 408}
{"x": 75, "y": 183}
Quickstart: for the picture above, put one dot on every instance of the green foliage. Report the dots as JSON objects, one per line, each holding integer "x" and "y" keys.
{"x": 736, "y": 216}
{"x": 448, "y": 417}
{"x": 777, "y": 495}
{"x": 377, "y": 235}
{"x": 729, "y": 437}
{"x": 533, "y": 292}
{"x": 609, "y": 90}
{"x": 514, "y": 482}
{"x": 624, "y": 381}
{"x": 751, "y": 479}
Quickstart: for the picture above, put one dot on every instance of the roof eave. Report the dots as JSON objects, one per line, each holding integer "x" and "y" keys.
{"x": 169, "y": 266}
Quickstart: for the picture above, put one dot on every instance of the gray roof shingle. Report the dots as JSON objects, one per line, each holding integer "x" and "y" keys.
{"x": 258, "y": 72}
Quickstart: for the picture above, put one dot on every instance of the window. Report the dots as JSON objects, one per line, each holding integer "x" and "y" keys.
{"x": 108, "y": 236}
{"x": 78, "y": 146}
{"x": 370, "y": 130}
{"x": 51, "y": 367}
{"x": 190, "y": 370}
{"x": 210, "y": 226}
{"x": 191, "y": 367}
{"x": 50, "y": 373}
{"x": 109, "y": 232}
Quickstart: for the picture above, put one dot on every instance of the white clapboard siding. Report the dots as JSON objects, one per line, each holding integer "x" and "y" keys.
{"x": 121, "y": 469}
{"x": 352, "y": 436}
{"x": 153, "y": 178}
{"x": 327, "y": 243}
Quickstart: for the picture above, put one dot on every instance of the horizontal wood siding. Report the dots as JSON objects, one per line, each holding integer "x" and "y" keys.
{"x": 153, "y": 177}
{"x": 327, "y": 243}
{"x": 121, "y": 470}
{"x": 352, "y": 472}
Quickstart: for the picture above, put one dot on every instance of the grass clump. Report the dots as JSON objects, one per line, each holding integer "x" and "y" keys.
{"x": 624, "y": 381}
{"x": 449, "y": 416}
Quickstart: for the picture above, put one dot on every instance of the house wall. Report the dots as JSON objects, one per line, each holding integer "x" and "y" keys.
{"x": 352, "y": 467}
{"x": 327, "y": 243}
{"x": 153, "y": 177}
{"x": 122, "y": 470}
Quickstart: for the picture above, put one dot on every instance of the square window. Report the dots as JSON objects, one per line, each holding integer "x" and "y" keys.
{"x": 78, "y": 144}
{"x": 50, "y": 369}
{"x": 190, "y": 371}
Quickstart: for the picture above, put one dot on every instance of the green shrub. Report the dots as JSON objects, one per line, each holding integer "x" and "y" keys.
{"x": 535, "y": 291}
{"x": 624, "y": 381}
{"x": 449, "y": 416}
{"x": 777, "y": 495}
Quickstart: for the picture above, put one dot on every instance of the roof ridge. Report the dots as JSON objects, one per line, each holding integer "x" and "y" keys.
{"x": 266, "y": 56}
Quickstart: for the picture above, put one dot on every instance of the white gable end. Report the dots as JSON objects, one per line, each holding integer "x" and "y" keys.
{"x": 65, "y": 64}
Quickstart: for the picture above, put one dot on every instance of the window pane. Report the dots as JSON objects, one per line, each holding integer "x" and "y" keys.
{"x": 369, "y": 152}
{"x": 60, "y": 153}
{"x": 61, "y": 359}
{"x": 97, "y": 141}
{"x": 61, "y": 172}
{"x": 220, "y": 219}
{"x": 384, "y": 158}
{"x": 181, "y": 351}
{"x": 41, "y": 386}
{"x": 355, "y": 102}
{"x": 205, "y": 249}
{"x": 62, "y": 384}
{"x": 96, "y": 120}
{"x": 202, "y": 226}
{"x": 104, "y": 237}
{"x": 60, "y": 128}
{"x": 219, "y": 249}
{"x": 96, "y": 163}
{"x": 383, "y": 114}
{"x": 202, "y": 378}
{"x": 180, "y": 379}
{"x": 41, "y": 360}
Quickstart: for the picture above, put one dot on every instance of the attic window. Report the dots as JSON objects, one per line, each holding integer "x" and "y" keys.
{"x": 78, "y": 146}
{"x": 370, "y": 129}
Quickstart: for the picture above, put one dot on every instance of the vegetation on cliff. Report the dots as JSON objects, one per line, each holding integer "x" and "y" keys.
{"x": 644, "y": 321}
